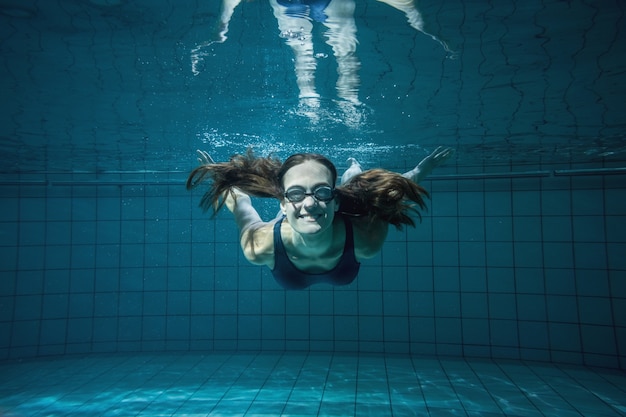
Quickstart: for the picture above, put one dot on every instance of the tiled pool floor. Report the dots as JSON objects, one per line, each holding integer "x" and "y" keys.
{"x": 292, "y": 384}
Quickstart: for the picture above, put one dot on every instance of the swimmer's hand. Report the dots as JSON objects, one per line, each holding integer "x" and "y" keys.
{"x": 428, "y": 164}
{"x": 438, "y": 157}
{"x": 204, "y": 158}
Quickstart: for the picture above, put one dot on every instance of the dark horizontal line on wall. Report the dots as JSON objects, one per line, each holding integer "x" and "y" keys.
{"x": 532, "y": 174}
{"x": 491, "y": 175}
{"x": 102, "y": 182}
{"x": 596, "y": 171}
{"x": 176, "y": 182}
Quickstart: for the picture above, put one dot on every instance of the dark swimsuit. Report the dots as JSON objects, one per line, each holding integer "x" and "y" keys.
{"x": 313, "y": 8}
{"x": 291, "y": 278}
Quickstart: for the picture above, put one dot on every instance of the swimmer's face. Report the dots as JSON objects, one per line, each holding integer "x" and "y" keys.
{"x": 315, "y": 212}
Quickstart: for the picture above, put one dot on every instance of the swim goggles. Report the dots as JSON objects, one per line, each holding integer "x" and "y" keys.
{"x": 323, "y": 193}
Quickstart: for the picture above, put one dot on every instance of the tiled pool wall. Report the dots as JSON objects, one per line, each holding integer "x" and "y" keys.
{"x": 528, "y": 267}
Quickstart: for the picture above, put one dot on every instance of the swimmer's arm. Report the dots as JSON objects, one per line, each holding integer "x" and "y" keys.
{"x": 254, "y": 237}
{"x": 369, "y": 237}
{"x": 428, "y": 164}
{"x": 256, "y": 242}
{"x": 240, "y": 204}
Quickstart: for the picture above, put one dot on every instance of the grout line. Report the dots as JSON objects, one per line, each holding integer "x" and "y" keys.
{"x": 480, "y": 175}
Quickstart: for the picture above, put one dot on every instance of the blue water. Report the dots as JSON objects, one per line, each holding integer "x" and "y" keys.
{"x": 107, "y": 263}
{"x": 119, "y": 85}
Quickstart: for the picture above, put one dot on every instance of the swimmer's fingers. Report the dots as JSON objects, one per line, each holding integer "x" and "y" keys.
{"x": 442, "y": 153}
{"x": 204, "y": 158}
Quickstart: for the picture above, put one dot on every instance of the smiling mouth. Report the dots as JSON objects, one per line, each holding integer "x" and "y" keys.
{"x": 309, "y": 217}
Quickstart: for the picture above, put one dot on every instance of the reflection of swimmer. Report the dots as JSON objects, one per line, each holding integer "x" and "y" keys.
{"x": 296, "y": 19}
{"x": 314, "y": 8}
{"x": 295, "y": 22}
{"x": 218, "y": 36}
{"x": 414, "y": 17}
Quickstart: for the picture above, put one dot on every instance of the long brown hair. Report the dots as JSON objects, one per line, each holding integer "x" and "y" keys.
{"x": 383, "y": 195}
{"x": 254, "y": 176}
{"x": 373, "y": 194}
